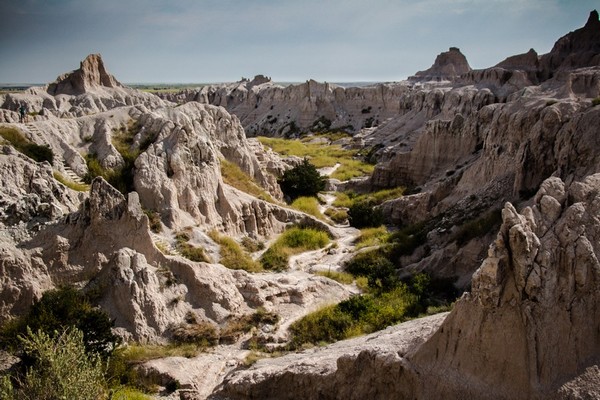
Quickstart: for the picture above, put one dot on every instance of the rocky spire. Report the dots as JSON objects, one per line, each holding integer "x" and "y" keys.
{"x": 91, "y": 74}
{"x": 447, "y": 66}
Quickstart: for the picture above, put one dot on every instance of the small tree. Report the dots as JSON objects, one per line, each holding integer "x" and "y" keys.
{"x": 62, "y": 369}
{"x": 363, "y": 215}
{"x": 302, "y": 180}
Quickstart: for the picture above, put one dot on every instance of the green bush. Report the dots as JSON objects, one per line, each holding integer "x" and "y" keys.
{"x": 338, "y": 216}
{"x": 276, "y": 258}
{"x": 302, "y": 180}
{"x": 379, "y": 271}
{"x": 363, "y": 215}
{"x": 58, "y": 310}
{"x": 62, "y": 369}
{"x": 23, "y": 145}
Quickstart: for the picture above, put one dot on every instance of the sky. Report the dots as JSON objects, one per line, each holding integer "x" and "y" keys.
{"x": 196, "y": 41}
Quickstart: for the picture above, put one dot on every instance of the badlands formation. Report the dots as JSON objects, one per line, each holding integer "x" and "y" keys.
{"x": 520, "y": 137}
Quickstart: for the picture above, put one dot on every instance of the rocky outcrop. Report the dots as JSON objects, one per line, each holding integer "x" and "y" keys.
{"x": 447, "y": 66}
{"x": 528, "y": 329}
{"x": 91, "y": 74}
{"x": 577, "y": 49}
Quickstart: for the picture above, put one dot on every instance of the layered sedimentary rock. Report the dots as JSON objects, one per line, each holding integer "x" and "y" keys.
{"x": 527, "y": 330}
{"x": 91, "y": 74}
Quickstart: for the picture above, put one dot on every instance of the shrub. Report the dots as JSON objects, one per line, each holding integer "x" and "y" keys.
{"x": 252, "y": 245}
{"x": 596, "y": 101}
{"x": 202, "y": 334}
{"x": 309, "y": 205}
{"x": 61, "y": 369}
{"x": 189, "y": 251}
{"x": 478, "y": 227}
{"x": 121, "y": 178}
{"x": 23, "y": 145}
{"x": 58, "y": 310}
{"x": 154, "y": 220}
{"x": 363, "y": 214}
{"x": 336, "y": 215}
{"x": 232, "y": 255}
{"x": 276, "y": 258}
{"x": 302, "y": 180}
{"x": 379, "y": 271}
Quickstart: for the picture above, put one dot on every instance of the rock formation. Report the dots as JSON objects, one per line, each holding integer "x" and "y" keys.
{"x": 90, "y": 75}
{"x": 528, "y": 329}
{"x": 447, "y": 66}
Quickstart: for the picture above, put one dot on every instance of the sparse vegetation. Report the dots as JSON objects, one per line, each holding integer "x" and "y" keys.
{"x": 309, "y": 205}
{"x": 23, "y": 145}
{"x": 347, "y": 199}
{"x": 596, "y": 101}
{"x": 339, "y": 216}
{"x": 232, "y": 255}
{"x": 302, "y": 181}
{"x": 69, "y": 183}
{"x": 60, "y": 368}
{"x": 478, "y": 227}
{"x": 292, "y": 241}
{"x": 252, "y": 245}
{"x": 341, "y": 277}
{"x": 372, "y": 237}
{"x": 189, "y": 251}
{"x": 202, "y": 334}
{"x": 234, "y": 176}
{"x": 323, "y": 155}
{"x": 154, "y": 220}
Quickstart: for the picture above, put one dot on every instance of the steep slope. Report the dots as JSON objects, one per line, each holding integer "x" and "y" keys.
{"x": 528, "y": 329}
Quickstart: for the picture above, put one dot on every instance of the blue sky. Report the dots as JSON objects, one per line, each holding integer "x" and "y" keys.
{"x": 289, "y": 40}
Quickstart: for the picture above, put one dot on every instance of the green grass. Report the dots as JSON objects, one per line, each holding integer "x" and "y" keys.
{"x": 309, "y": 205}
{"x": 234, "y": 176}
{"x": 292, "y": 241}
{"x": 189, "y": 251}
{"x": 69, "y": 183}
{"x": 339, "y": 216}
{"x": 341, "y": 277}
{"x": 322, "y": 155}
{"x": 129, "y": 393}
{"x": 23, "y": 145}
{"x": 232, "y": 255}
{"x": 137, "y": 353}
{"x": 372, "y": 237}
{"x": 347, "y": 199}
{"x": 356, "y": 316}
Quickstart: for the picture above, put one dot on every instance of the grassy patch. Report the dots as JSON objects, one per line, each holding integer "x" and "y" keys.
{"x": 69, "y": 183}
{"x": 339, "y": 216}
{"x": 292, "y": 241}
{"x": 23, "y": 145}
{"x": 358, "y": 315}
{"x": 136, "y": 353}
{"x": 309, "y": 205}
{"x": 189, "y": 251}
{"x": 252, "y": 245}
{"x": 232, "y": 255}
{"x": 596, "y": 101}
{"x": 322, "y": 155}
{"x": 129, "y": 393}
{"x": 234, "y": 176}
{"x": 341, "y": 277}
{"x": 347, "y": 199}
{"x": 372, "y": 237}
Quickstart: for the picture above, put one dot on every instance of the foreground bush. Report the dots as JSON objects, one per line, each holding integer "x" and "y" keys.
{"x": 62, "y": 369}
{"x": 59, "y": 310}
